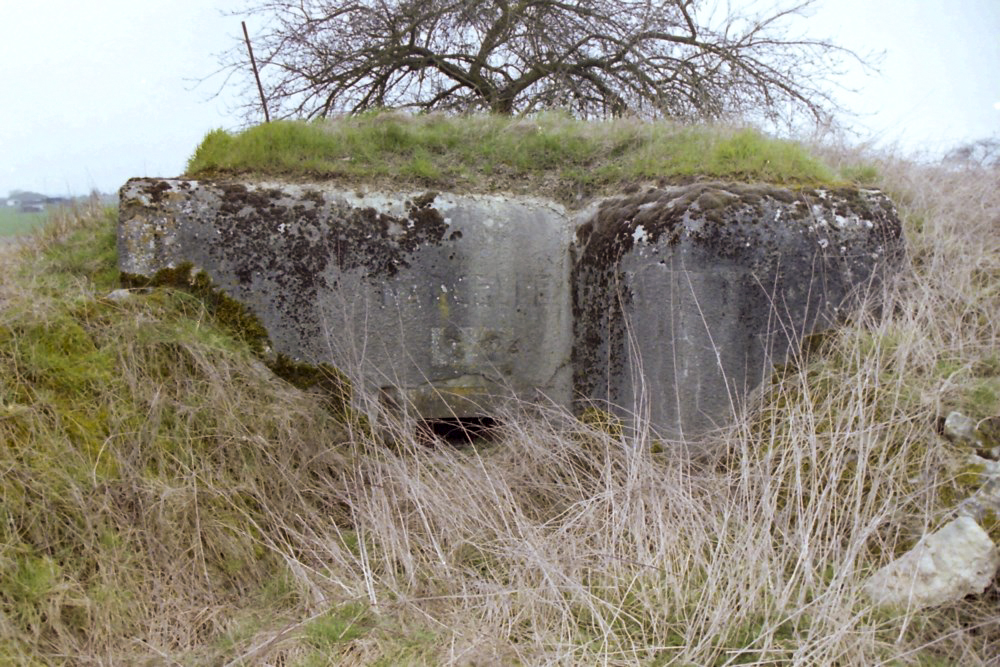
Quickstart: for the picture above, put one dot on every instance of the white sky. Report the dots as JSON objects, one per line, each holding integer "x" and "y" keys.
{"x": 92, "y": 93}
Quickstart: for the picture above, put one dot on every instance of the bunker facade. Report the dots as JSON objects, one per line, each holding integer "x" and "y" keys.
{"x": 666, "y": 306}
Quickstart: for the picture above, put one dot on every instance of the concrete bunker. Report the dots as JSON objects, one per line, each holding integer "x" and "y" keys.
{"x": 451, "y": 305}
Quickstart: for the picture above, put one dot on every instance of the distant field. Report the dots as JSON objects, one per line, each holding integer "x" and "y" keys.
{"x": 13, "y": 223}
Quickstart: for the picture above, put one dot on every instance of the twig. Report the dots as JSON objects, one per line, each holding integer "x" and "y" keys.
{"x": 256, "y": 74}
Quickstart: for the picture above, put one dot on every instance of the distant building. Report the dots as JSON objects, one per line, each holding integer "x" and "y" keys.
{"x": 33, "y": 202}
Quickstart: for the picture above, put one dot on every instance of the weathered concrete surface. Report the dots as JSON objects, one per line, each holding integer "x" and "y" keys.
{"x": 684, "y": 298}
{"x": 671, "y": 303}
{"x": 448, "y": 303}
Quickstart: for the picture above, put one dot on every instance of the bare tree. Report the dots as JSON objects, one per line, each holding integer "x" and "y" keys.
{"x": 979, "y": 153}
{"x": 678, "y": 58}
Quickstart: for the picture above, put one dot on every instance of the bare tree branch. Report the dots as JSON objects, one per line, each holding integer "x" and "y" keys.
{"x": 594, "y": 58}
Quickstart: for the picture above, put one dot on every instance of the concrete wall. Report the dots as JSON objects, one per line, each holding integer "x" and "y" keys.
{"x": 670, "y": 302}
{"x": 684, "y": 298}
{"x": 449, "y": 303}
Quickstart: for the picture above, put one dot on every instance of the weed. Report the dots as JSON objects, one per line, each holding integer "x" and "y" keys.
{"x": 862, "y": 174}
{"x": 340, "y": 625}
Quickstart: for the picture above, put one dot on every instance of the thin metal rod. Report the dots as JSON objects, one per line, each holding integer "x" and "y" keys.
{"x": 256, "y": 74}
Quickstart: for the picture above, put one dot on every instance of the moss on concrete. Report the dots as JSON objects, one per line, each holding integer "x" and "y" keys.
{"x": 238, "y": 320}
{"x": 331, "y": 383}
{"x": 229, "y": 313}
{"x": 604, "y": 421}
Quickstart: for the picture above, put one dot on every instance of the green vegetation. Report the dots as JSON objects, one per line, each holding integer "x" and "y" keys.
{"x": 237, "y": 321}
{"x": 548, "y": 154}
{"x": 142, "y": 445}
{"x": 167, "y": 499}
{"x": 13, "y": 223}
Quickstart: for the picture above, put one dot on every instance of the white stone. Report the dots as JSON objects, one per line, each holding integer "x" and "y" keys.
{"x": 119, "y": 295}
{"x": 962, "y": 429}
{"x": 957, "y": 560}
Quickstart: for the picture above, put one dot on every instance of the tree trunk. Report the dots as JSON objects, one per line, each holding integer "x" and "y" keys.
{"x": 503, "y": 105}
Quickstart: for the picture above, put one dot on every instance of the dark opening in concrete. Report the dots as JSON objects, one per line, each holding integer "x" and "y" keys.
{"x": 461, "y": 432}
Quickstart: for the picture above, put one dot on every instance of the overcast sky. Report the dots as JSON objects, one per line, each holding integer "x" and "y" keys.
{"x": 96, "y": 92}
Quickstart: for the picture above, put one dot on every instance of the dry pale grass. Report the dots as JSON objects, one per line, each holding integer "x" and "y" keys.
{"x": 561, "y": 544}
{"x": 239, "y": 525}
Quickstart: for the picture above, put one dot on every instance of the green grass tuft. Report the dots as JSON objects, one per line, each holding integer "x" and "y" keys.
{"x": 552, "y": 153}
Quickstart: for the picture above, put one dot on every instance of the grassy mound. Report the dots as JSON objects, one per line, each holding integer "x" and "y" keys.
{"x": 166, "y": 499}
{"x": 551, "y": 154}
{"x": 144, "y": 449}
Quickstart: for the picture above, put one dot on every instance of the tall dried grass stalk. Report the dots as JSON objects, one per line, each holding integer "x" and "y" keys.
{"x": 241, "y": 525}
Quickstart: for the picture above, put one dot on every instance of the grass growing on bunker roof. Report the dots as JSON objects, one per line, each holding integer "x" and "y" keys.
{"x": 547, "y": 154}
{"x": 164, "y": 499}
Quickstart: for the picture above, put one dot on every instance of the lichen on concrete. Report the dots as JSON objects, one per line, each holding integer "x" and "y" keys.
{"x": 696, "y": 291}
{"x": 456, "y": 303}
{"x": 418, "y": 290}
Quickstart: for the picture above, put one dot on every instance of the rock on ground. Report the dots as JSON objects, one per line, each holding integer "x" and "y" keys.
{"x": 957, "y": 560}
